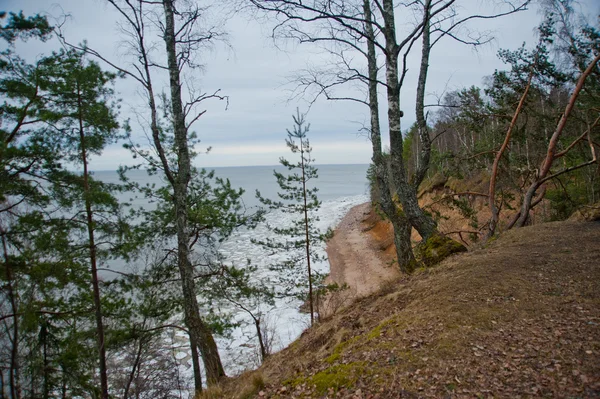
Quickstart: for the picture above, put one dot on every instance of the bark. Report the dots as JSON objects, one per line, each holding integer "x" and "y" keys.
{"x": 406, "y": 192}
{"x": 196, "y": 365}
{"x": 46, "y": 371}
{"x": 551, "y": 151}
{"x": 93, "y": 256}
{"x": 307, "y": 236}
{"x": 199, "y": 331}
{"x": 425, "y": 152}
{"x": 263, "y": 350}
{"x": 495, "y": 212}
{"x": 402, "y": 227}
{"x": 13, "y": 373}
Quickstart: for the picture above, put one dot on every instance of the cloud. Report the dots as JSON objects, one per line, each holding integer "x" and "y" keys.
{"x": 252, "y": 73}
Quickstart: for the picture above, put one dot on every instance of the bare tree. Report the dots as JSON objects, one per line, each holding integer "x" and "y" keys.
{"x": 352, "y": 25}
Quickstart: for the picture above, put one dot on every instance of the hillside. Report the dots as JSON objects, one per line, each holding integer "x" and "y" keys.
{"x": 520, "y": 318}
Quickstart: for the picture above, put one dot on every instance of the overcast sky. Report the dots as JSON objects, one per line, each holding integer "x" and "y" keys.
{"x": 253, "y": 72}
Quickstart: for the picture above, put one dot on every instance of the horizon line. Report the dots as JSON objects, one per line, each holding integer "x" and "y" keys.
{"x": 247, "y": 166}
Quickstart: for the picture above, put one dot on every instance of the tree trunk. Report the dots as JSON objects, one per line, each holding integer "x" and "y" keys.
{"x": 423, "y": 157}
{"x": 197, "y": 328}
{"x": 263, "y": 350}
{"x": 46, "y": 370}
{"x": 307, "y": 236}
{"x": 13, "y": 373}
{"x": 196, "y": 365}
{"x": 406, "y": 192}
{"x": 402, "y": 228}
{"x": 551, "y": 152}
{"x": 495, "y": 213}
{"x": 92, "y": 251}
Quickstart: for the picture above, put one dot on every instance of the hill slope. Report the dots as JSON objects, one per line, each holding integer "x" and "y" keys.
{"x": 520, "y": 318}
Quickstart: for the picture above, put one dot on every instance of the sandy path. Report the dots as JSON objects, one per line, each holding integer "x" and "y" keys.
{"x": 355, "y": 259}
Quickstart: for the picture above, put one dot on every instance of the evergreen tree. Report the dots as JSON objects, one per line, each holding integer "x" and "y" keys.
{"x": 299, "y": 199}
{"x": 56, "y": 113}
{"x": 81, "y": 95}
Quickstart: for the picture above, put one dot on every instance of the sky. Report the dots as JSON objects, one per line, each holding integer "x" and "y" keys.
{"x": 253, "y": 71}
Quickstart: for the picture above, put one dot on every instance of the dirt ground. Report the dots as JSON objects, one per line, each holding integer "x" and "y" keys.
{"x": 519, "y": 318}
{"x": 357, "y": 259}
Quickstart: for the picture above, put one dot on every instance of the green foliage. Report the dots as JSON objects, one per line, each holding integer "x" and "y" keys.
{"x": 20, "y": 27}
{"x": 297, "y": 197}
{"x": 53, "y": 109}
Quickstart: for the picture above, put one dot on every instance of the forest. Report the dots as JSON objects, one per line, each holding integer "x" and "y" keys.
{"x": 519, "y": 149}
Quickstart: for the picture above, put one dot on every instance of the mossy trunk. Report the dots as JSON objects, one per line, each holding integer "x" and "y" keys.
{"x": 402, "y": 227}
{"x": 404, "y": 252}
{"x": 437, "y": 248}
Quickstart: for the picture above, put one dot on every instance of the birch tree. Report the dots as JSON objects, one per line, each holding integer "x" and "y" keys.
{"x": 367, "y": 28}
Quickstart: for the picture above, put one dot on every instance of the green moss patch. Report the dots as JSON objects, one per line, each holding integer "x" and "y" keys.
{"x": 339, "y": 348}
{"x": 437, "y": 248}
{"x": 336, "y": 377}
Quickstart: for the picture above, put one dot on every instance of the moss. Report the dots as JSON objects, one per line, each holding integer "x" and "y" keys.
{"x": 411, "y": 266}
{"x": 339, "y": 348}
{"x": 336, "y": 377}
{"x": 376, "y": 332}
{"x": 437, "y": 248}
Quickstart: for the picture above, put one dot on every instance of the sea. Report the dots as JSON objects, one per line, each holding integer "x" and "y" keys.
{"x": 340, "y": 187}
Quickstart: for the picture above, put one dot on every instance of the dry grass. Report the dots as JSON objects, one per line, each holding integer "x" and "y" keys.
{"x": 520, "y": 318}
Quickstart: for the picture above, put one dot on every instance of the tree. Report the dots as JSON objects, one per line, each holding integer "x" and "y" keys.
{"x": 510, "y": 127}
{"x": 59, "y": 111}
{"x": 87, "y": 123}
{"x": 182, "y": 36}
{"x": 199, "y": 332}
{"x": 546, "y": 79}
{"x": 552, "y": 154}
{"x": 349, "y": 26}
{"x": 300, "y": 200}
{"x": 583, "y": 47}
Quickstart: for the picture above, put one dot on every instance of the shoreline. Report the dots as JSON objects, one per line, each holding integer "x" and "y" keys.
{"x": 356, "y": 259}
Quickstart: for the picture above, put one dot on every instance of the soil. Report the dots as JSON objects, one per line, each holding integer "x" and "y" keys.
{"x": 358, "y": 260}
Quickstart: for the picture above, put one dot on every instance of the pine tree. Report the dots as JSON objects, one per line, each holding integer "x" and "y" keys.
{"x": 58, "y": 111}
{"x": 299, "y": 199}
